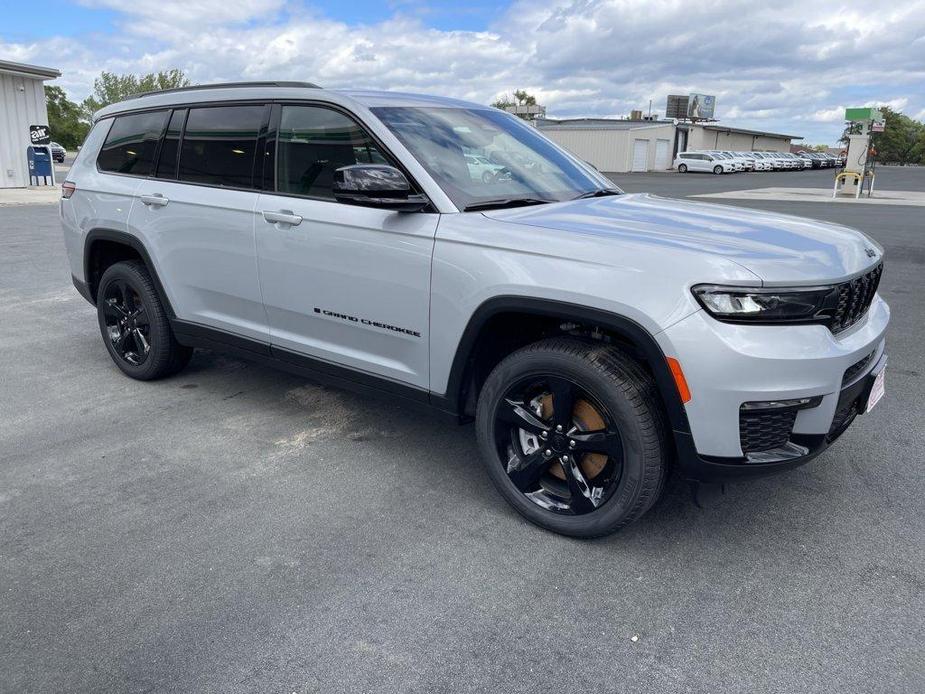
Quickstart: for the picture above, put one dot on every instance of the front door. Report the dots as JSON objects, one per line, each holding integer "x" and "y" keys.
{"x": 342, "y": 283}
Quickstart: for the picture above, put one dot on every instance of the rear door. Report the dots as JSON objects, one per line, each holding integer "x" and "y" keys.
{"x": 196, "y": 215}
{"x": 341, "y": 283}
{"x": 699, "y": 162}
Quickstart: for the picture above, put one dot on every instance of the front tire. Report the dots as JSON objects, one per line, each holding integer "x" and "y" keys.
{"x": 572, "y": 435}
{"x": 134, "y": 324}
{"x": 717, "y": 169}
{"x": 682, "y": 168}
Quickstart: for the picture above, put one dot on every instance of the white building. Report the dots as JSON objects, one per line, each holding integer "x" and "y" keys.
{"x": 721, "y": 137}
{"x": 614, "y": 145}
{"x": 618, "y": 146}
{"x": 22, "y": 103}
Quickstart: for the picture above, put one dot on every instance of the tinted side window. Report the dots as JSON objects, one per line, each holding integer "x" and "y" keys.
{"x": 132, "y": 141}
{"x": 167, "y": 162}
{"x": 219, "y": 144}
{"x": 314, "y": 141}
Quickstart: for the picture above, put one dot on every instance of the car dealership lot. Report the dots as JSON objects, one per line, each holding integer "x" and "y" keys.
{"x": 238, "y": 529}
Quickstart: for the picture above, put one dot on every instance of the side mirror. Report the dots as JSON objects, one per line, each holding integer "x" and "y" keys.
{"x": 376, "y": 185}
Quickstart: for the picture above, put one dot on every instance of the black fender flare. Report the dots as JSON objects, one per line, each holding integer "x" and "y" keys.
{"x": 135, "y": 244}
{"x": 627, "y": 328}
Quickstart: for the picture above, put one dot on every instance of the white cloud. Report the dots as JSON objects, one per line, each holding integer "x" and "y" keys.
{"x": 786, "y": 66}
{"x": 835, "y": 114}
{"x": 898, "y": 104}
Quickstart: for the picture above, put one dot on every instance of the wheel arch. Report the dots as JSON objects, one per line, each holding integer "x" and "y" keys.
{"x": 459, "y": 396}
{"x": 103, "y": 247}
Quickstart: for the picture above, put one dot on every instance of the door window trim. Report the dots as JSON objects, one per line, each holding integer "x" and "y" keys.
{"x": 221, "y": 104}
{"x": 160, "y": 147}
{"x": 385, "y": 151}
{"x": 272, "y": 104}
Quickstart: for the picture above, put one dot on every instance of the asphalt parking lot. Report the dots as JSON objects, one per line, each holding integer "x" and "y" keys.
{"x": 237, "y": 529}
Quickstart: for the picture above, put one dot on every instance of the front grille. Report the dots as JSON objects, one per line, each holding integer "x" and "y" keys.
{"x": 852, "y": 371}
{"x": 762, "y": 430}
{"x": 843, "y": 417}
{"x": 854, "y": 299}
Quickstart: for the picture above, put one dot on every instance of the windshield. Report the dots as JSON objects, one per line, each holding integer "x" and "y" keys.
{"x": 523, "y": 164}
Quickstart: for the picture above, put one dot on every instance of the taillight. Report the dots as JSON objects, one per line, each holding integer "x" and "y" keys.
{"x": 67, "y": 189}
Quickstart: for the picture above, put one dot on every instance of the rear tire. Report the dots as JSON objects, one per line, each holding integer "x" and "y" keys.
{"x": 717, "y": 169}
{"x": 134, "y": 324}
{"x": 605, "y": 467}
{"x": 682, "y": 168}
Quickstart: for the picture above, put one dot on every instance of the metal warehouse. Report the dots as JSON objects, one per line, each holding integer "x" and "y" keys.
{"x": 22, "y": 103}
{"x": 618, "y": 146}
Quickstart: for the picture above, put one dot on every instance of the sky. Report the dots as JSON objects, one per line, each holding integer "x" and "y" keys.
{"x": 791, "y": 66}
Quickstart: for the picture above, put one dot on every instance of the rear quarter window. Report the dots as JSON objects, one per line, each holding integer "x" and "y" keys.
{"x": 131, "y": 143}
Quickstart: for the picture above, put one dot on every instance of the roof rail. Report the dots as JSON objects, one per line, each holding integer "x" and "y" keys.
{"x": 227, "y": 85}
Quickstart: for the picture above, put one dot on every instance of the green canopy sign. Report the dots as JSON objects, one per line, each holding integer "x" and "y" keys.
{"x": 859, "y": 115}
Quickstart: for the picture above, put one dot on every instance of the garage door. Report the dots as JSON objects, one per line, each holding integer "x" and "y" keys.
{"x": 662, "y": 155}
{"x": 640, "y": 155}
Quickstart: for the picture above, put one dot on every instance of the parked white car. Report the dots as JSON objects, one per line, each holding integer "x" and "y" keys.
{"x": 701, "y": 161}
{"x": 738, "y": 164}
{"x": 757, "y": 163}
{"x": 775, "y": 162}
{"x": 748, "y": 163}
{"x": 481, "y": 169}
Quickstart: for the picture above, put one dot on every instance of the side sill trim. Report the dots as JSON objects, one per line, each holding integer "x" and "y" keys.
{"x": 196, "y": 335}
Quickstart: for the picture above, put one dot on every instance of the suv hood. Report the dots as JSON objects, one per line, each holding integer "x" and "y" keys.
{"x": 778, "y": 248}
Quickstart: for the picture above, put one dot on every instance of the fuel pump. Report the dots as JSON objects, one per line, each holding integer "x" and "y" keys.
{"x": 859, "y": 164}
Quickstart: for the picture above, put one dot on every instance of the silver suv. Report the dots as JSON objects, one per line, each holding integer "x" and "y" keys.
{"x": 595, "y": 337}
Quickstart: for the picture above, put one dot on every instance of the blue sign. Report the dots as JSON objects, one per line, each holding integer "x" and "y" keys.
{"x": 41, "y": 168}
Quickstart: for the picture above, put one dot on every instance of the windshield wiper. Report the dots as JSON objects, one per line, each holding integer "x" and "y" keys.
{"x": 505, "y": 202}
{"x": 599, "y": 193}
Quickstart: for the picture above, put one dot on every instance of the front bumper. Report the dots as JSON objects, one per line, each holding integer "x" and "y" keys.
{"x": 728, "y": 365}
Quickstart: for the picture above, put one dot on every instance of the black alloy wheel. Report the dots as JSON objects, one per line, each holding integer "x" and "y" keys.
{"x": 573, "y": 435}
{"x": 563, "y": 451}
{"x": 127, "y": 324}
{"x": 134, "y": 324}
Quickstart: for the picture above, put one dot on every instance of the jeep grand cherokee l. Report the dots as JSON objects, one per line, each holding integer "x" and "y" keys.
{"x": 594, "y": 337}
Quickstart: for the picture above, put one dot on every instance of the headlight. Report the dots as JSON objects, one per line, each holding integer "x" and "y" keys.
{"x": 768, "y": 305}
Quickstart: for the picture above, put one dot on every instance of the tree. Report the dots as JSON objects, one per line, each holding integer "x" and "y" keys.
{"x": 901, "y": 141}
{"x": 65, "y": 118}
{"x": 109, "y": 87}
{"x": 520, "y": 98}
{"x": 850, "y": 129}
{"x": 504, "y": 101}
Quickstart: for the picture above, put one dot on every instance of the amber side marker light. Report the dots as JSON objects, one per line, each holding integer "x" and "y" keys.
{"x": 679, "y": 379}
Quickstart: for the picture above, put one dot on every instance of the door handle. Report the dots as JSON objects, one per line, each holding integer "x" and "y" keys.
{"x": 282, "y": 217}
{"x": 157, "y": 200}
